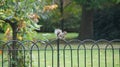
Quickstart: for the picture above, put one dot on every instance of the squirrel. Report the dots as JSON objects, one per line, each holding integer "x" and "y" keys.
{"x": 60, "y": 34}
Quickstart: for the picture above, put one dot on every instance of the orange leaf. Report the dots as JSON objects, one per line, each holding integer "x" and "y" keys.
{"x": 0, "y": 51}
{"x": 34, "y": 17}
{"x": 50, "y": 7}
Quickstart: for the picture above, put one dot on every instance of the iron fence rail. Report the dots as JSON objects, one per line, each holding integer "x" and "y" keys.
{"x": 61, "y": 53}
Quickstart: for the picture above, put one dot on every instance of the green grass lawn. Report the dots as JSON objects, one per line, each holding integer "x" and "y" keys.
{"x": 67, "y": 57}
{"x": 48, "y": 36}
{"x": 75, "y": 59}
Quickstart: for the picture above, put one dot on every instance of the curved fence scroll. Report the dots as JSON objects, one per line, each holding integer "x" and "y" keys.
{"x": 60, "y": 53}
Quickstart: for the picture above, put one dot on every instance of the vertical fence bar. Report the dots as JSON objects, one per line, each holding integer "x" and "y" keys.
{"x": 10, "y": 57}
{"x": 78, "y": 56}
{"x": 71, "y": 57}
{"x": 2, "y": 58}
{"x": 31, "y": 53}
{"x": 31, "y": 58}
{"x": 38, "y": 57}
{"x": 78, "y": 61}
{"x": 119, "y": 57}
{"x": 58, "y": 58}
{"x": 24, "y": 57}
{"x": 105, "y": 58}
{"x": 64, "y": 57}
{"x": 52, "y": 55}
{"x": 98, "y": 57}
{"x": 45, "y": 55}
{"x": 85, "y": 55}
{"x": 22, "y": 49}
{"x": 91, "y": 57}
{"x": 39, "y": 63}
{"x": 98, "y": 48}
{"x": 113, "y": 55}
{"x": 52, "y": 58}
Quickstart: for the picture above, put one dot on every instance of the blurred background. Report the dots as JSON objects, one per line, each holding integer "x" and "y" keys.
{"x": 89, "y": 19}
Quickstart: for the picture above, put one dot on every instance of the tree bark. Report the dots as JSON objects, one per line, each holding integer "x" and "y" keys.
{"x": 86, "y": 25}
{"x": 14, "y": 46}
{"x": 62, "y": 14}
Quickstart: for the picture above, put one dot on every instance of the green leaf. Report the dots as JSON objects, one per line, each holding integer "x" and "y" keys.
{"x": 118, "y": 1}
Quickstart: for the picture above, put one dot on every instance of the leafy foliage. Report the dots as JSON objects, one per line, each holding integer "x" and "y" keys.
{"x": 19, "y": 19}
{"x": 71, "y": 16}
{"x": 25, "y": 14}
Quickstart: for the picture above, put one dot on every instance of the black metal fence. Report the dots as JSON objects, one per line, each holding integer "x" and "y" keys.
{"x": 60, "y": 53}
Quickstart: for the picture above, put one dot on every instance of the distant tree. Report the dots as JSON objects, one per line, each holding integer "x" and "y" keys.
{"x": 106, "y": 23}
{"x": 88, "y": 8}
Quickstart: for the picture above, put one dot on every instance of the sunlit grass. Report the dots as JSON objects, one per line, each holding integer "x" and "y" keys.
{"x": 75, "y": 58}
{"x": 67, "y": 58}
{"x": 47, "y": 36}
{"x": 67, "y": 55}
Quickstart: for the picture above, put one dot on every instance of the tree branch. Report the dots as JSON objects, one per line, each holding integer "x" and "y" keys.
{"x": 67, "y": 4}
{"x": 6, "y": 20}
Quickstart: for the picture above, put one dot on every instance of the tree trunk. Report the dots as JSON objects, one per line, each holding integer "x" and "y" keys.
{"x": 13, "y": 52}
{"x": 14, "y": 46}
{"x": 86, "y": 25}
{"x": 62, "y": 14}
{"x": 14, "y": 29}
